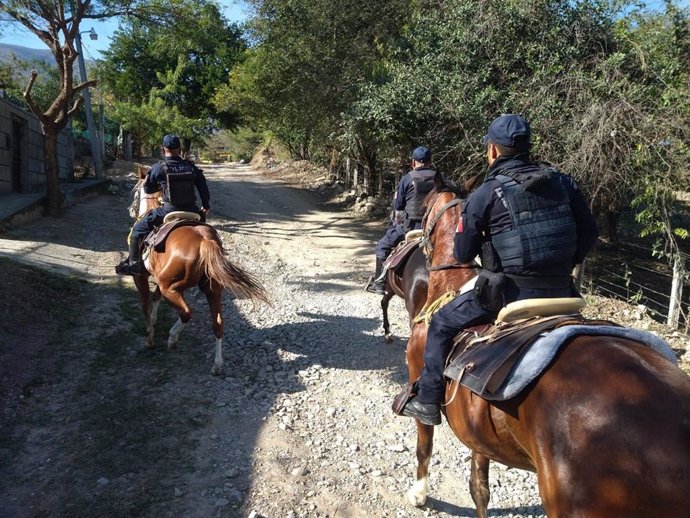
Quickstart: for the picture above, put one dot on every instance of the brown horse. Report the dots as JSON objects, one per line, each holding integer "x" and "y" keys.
{"x": 193, "y": 256}
{"x": 606, "y": 428}
{"x": 410, "y": 284}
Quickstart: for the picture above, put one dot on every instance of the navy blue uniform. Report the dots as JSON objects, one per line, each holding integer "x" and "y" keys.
{"x": 157, "y": 180}
{"x": 409, "y": 198}
{"x": 486, "y": 216}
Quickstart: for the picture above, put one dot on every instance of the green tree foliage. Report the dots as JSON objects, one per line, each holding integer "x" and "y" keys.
{"x": 175, "y": 67}
{"x": 308, "y": 60}
{"x": 604, "y": 83}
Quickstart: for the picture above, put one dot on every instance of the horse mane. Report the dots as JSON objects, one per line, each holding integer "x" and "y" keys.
{"x": 442, "y": 184}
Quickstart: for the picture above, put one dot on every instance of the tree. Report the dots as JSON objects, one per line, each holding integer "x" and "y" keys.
{"x": 181, "y": 66}
{"x": 306, "y": 64}
{"x": 57, "y": 25}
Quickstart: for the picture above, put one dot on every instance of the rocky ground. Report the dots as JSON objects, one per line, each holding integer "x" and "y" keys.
{"x": 298, "y": 425}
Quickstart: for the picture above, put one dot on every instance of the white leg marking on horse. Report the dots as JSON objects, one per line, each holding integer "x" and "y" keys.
{"x": 174, "y": 335}
{"x": 417, "y": 493}
{"x": 154, "y": 310}
{"x": 218, "y": 360}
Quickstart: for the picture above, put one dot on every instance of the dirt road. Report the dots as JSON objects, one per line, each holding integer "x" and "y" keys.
{"x": 299, "y": 424}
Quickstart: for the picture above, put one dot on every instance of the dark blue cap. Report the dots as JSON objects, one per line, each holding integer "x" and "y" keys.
{"x": 509, "y": 130}
{"x": 421, "y": 154}
{"x": 171, "y": 142}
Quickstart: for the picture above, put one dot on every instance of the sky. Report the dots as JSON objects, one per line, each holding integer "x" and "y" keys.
{"x": 17, "y": 34}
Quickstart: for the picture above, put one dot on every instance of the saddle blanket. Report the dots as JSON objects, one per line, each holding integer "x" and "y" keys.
{"x": 541, "y": 353}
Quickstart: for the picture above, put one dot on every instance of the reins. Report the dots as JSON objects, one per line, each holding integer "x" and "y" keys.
{"x": 426, "y": 243}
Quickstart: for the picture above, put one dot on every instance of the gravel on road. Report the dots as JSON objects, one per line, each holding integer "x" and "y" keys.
{"x": 299, "y": 423}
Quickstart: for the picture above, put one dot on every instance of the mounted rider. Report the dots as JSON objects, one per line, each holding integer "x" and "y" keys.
{"x": 177, "y": 178}
{"x": 409, "y": 198}
{"x": 530, "y": 225}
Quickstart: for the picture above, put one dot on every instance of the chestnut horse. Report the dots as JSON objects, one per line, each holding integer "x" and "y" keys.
{"x": 606, "y": 427}
{"x": 193, "y": 256}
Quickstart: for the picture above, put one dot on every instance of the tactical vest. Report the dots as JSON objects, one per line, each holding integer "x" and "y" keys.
{"x": 421, "y": 186}
{"x": 180, "y": 183}
{"x": 544, "y": 232}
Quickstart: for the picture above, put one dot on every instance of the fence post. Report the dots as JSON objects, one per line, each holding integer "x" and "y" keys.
{"x": 348, "y": 178}
{"x": 676, "y": 293}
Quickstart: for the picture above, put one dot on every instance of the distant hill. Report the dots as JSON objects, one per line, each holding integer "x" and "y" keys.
{"x": 7, "y": 51}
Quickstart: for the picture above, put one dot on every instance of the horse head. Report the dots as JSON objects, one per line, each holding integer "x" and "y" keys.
{"x": 141, "y": 201}
{"x": 443, "y": 207}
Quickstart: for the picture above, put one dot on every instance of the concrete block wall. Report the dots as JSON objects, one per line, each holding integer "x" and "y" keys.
{"x": 33, "y": 174}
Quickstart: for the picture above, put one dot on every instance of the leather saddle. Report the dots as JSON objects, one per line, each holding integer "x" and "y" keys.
{"x": 483, "y": 357}
{"x": 403, "y": 251}
{"x": 156, "y": 238}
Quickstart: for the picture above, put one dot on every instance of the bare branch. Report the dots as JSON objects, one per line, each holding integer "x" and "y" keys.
{"x": 29, "y": 100}
{"x": 88, "y": 84}
{"x": 75, "y": 107}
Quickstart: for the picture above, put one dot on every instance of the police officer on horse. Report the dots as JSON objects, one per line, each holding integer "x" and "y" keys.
{"x": 177, "y": 178}
{"x": 530, "y": 225}
{"x": 409, "y": 198}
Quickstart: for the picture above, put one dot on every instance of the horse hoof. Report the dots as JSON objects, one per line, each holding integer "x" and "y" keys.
{"x": 172, "y": 345}
{"x": 417, "y": 493}
{"x": 216, "y": 370}
{"x": 388, "y": 338}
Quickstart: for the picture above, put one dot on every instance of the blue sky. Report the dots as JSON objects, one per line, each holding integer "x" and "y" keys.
{"x": 16, "y": 34}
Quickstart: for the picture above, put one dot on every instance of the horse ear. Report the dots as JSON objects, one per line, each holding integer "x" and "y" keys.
{"x": 438, "y": 180}
{"x": 472, "y": 183}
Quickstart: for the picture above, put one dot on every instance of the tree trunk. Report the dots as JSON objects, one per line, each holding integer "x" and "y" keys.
{"x": 52, "y": 170}
{"x": 186, "y": 146}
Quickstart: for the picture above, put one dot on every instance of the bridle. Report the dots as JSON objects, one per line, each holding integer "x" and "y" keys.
{"x": 426, "y": 244}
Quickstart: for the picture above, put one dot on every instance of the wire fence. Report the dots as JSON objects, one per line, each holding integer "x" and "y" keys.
{"x": 634, "y": 276}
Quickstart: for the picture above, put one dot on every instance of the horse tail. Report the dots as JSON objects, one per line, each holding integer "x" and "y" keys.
{"x": 218, "y": 268}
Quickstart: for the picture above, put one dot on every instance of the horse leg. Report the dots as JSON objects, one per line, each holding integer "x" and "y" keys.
{"x": 386, "y": 324}
{"x": 177, "y": 301}
{"x": 479, "y": 483}
{"x": 214, "y": 296}
{"x": 142, "y": 284}
{"x": 155, "y": 303}
{"x": 416, "y": 495}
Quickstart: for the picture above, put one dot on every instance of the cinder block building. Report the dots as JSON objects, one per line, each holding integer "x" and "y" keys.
{"x": 22, "y": 169}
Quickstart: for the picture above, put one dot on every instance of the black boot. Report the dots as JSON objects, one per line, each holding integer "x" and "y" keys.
{"x": 377, "y": 284}
{"x": 426, "y": 413}
{"x": 133, "y": 264}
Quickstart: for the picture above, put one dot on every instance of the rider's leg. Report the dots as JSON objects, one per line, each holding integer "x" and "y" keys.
{"x": 384, "y": 247}
{"x": 461, "y": 312}
{"x": 133, "y": 264}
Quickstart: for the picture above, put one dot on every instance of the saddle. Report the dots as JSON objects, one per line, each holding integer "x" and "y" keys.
{"x": 403, "y": 251}
{"x": 483, "y": 357}
{"x": 156, "y": 239}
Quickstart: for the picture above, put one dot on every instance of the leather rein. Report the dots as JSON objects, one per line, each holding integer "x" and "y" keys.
{"x": 427, "y": 245}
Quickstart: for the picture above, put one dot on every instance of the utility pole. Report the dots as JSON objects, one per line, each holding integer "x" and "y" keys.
{"x": 93, "y": 139}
